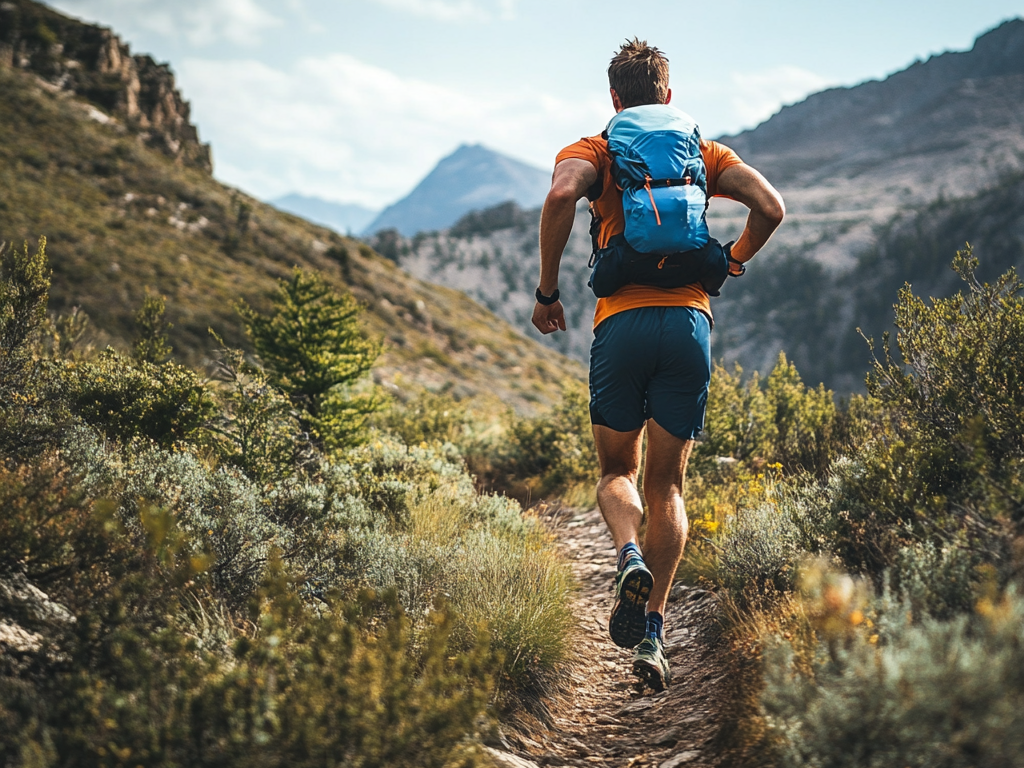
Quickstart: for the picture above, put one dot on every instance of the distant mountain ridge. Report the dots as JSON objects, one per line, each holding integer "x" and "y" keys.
{"x": 964, "y": 105}
{"x": 856, "y": 166}
{"x": 827, "y": 123}
{"x": 473, "y": 177}
{"x": 343, "y": 218}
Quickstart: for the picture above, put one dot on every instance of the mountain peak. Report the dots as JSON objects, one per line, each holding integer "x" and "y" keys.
{"x": 1001, "y": 50}
{"x": 470, "y": 178}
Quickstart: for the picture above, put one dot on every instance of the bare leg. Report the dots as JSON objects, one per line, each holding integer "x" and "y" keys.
{"x": 617, "y": 496}
{"x": 667, "y": 526}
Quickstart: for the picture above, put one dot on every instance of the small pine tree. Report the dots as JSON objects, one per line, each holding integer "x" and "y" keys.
{"x": 151, "y": 345}
{"x": 313, "y": 349}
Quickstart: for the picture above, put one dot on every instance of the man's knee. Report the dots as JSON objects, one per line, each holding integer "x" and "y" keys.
{"x": 611, "y": 475}
{"x": 662, "y": 489}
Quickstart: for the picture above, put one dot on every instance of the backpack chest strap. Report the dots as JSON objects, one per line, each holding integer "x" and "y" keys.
{"x": 686, "y": 181}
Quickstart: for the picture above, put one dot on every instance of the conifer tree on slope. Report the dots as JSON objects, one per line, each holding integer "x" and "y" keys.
{"x": 314, "y": 349}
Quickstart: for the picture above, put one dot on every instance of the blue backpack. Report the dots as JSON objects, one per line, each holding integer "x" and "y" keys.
{"x": 656, "y": 162}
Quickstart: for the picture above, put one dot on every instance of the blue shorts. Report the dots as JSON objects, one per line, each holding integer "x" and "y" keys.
{"x": 651, "y": 363}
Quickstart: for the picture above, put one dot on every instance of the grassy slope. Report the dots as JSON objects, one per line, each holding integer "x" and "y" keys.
{"x": 122, "y": 219}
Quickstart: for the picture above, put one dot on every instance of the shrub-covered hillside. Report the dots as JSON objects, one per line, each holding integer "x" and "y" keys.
{"x": 871, "y": 555}
{"x": 239, "y": 570}
{"x": 123, "y": 219}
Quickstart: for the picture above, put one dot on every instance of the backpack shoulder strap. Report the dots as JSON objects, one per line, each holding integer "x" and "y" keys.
{"x": 595, "y": 230}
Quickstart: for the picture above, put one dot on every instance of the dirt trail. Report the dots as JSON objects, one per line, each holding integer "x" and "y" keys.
{"x": 604, "y": 719}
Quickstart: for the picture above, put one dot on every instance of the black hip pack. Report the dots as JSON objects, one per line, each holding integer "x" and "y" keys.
{"x": 620, "y": 264}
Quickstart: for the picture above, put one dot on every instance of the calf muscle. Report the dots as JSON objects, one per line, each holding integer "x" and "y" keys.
{"x": 621, "y": 505}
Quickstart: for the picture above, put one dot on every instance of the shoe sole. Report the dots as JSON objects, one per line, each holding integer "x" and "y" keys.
{"x": 650, "y": 675}
{"x": 628, "y": 623}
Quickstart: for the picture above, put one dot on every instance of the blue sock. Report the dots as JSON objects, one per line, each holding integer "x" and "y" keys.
{"x": 655, "y": 624}
{"x": 627, "y": 552}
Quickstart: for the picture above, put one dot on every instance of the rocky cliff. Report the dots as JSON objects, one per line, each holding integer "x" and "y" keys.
{"x": 96, "y": 65}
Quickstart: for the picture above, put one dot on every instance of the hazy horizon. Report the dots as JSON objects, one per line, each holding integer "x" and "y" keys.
{"x": 355, "y": 102}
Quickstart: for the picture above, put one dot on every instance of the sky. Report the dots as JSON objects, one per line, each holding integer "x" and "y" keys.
{"x": 355, "y": 101}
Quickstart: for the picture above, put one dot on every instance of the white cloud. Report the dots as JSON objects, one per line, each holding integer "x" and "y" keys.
{"x": 342, "y": 129}
{"x": 454, "y": 10}
{"x": 758, "y": 95}
{"x": 199, "y": 22}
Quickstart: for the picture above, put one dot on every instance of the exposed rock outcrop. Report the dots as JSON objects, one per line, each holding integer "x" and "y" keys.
{"x": 24, "y": 608}
{"x": 95, "y": 64}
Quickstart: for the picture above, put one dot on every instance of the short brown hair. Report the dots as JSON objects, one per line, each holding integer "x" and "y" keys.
{"x": 639, "y": 74}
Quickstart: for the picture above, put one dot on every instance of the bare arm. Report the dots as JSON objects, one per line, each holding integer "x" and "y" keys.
{"x": 570, "y": 182}
{"x": 767, "y": 208}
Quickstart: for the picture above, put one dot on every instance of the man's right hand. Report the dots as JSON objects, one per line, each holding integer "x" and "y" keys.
{"x": 550, "y": 318}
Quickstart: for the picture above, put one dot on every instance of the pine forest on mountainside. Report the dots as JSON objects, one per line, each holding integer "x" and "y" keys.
{"x": 320, "y": 535}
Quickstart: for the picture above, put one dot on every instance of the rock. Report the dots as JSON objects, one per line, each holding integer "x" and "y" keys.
{"x": 634, "y": 706}
{"x": 14, "y": 637}
{"x": 508, "y": 760}
{"x": 680, "y": 759}
{"x": 677, "y": 591}
{"x": 21, "y": 597}
{"x": 496, "y": 739}
{"x": 581, "y": 749}
{"x": 551, "y": 758}
{"x": 667, "y": 737}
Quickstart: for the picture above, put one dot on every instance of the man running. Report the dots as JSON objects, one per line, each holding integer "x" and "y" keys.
{"x": 650, "y": 363}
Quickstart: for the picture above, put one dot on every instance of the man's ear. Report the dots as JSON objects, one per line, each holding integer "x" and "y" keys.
{"x": 668, "y": 96}
{"x": 616, "y": 101}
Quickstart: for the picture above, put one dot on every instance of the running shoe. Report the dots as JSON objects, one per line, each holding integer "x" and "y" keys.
{"x": 628, "y": 622}
{"x": 650, "y": 664}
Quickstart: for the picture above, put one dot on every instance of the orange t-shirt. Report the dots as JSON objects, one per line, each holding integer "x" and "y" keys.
{"x": 608, "y": 205}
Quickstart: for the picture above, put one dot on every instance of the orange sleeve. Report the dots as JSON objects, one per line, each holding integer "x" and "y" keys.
{"x": 717, "y": 157}
{"x": 588, "y": 149}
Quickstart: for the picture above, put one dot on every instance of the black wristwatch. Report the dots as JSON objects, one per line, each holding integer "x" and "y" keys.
{"x": 547, "y": 301}
{"x": 728, "y": 255}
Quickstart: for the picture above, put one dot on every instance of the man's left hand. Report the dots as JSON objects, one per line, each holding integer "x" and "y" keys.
{"x": 550, "y": 318}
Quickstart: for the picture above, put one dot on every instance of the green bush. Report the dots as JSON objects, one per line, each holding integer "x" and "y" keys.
{"x": 24, "y": 291}
{"x": 257, "y": 428}
{"x": 430, "y": 536}
{"x": 964, "y": 385}
{"x": 429, "y": 417}
{"x": 918, "y": 492}
{"x": 757, "y": 555}
{"x": 127, "y": 399}
{"x": 301, "y": 686}
{"x": 946, "y": 462}
{"x": 777, "y": 420}
{"x": 219, "y": 588}
{"x": 151, "y": 346}
{"x": 929, "y": 693}
{"x": 552, "y": 453}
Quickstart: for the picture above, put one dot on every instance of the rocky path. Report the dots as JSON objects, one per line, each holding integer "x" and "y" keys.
{"x": 603, "y": 719}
